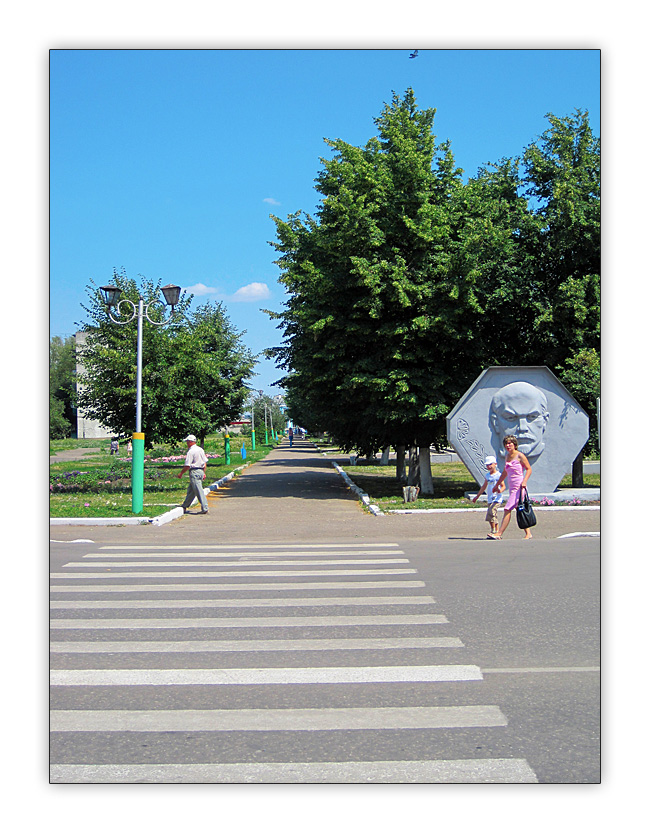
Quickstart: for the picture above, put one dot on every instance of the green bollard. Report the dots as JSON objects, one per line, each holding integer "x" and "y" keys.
{"x": 227, "y": 449}
{"x": 253, "y": 440}
{"x": 137, "y": 474}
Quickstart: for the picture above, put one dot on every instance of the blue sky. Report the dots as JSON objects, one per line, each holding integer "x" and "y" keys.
{"x": 168, "y": 163}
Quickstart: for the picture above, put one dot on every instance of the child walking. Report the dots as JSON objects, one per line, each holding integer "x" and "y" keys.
{"x": 494, "y": 498}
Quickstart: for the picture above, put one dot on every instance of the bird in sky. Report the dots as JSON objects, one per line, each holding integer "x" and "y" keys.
{"x": 414, "y": 54}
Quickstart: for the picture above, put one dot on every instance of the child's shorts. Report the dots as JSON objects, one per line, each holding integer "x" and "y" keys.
{"x": 491, "y": 514}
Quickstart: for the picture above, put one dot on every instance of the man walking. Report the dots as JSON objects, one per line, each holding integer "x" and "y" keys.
{"x": 195, "y": 463}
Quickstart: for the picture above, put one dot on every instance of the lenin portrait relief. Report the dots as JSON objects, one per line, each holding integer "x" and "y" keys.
{"x": 520, "y": 409}
{"x": 531, "y": 404}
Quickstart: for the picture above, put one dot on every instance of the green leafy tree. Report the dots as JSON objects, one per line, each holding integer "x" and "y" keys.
{"x": 581, "y": 377}
{"x": 370, "y": 292}
{"x": 407, "y": 282}
{"x": 63, "y": 414}
{"x": 193, "y": 369}
{"x": 562, "y": 173}
{"x": 493, "y": 244}
{"x": 267, "y": 410}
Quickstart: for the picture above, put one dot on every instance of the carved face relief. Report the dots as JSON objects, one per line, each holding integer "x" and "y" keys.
{"x": 531, "y": 404}
{"x": 520, "y": 409}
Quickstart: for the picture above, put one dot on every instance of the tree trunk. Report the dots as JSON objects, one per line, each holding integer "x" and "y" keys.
{"x": 400, "y": 471}
{"x": 414, "y": 467}
{"x": 385, "y": 456}
{"x": 426, "y": 480}
{"x": 577, "y": 479}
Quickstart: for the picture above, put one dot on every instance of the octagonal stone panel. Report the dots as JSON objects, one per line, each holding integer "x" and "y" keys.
{"x": 532, "y": 404}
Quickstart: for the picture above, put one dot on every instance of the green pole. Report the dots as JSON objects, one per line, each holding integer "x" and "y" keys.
{"x": 227, "y": 449}
{"x": 137, "y": 473}
{"x": 266, "y": 441}
{"x": 253, "y": 439}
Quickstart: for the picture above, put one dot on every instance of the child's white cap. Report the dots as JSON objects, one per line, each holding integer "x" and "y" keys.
{"x": 490, "y": 460}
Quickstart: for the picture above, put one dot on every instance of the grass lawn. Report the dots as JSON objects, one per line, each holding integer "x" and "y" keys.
{"x": 450, "y": 482}
{"x": 99, "y": 485}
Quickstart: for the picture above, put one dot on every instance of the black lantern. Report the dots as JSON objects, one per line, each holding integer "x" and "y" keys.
{"x": 111, "y": 295}
{"x": 172, "y": 294}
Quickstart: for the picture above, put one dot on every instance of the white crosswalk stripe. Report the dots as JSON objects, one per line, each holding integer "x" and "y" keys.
{"x": 490, "y": 771}
{"x": 266, "y": 676}
{"x": 227, "y": 573}
{"x": 254, "y": 645}
{"x": 107, "y": 683}
{"x": 250, "y": 622}
{"x": 265, "y": 720}
{"x": 224, "y": 587}
{"x": 314, "y": 601}
{"x": 239, "y": 563}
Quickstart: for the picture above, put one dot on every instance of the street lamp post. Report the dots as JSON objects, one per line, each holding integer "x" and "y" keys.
{"x": 253, "y": 417}
{"x": 112, "y": 299}
{"x": 252, "y": 421}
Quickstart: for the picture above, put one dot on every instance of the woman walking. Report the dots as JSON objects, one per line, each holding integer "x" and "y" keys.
{"x": 517, "y": 469}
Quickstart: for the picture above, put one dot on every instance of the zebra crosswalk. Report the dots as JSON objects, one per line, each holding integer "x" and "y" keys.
{"x": 341, "y": 671}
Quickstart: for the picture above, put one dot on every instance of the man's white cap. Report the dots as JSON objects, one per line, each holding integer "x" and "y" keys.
{"x": 192, "y": 439}
{"x": 490, "y": 460}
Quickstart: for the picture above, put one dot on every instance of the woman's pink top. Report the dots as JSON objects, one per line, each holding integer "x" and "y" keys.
{"x": 515, "y": 472}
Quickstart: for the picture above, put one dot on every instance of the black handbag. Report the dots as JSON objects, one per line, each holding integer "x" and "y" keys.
{"x": 525, "y": 515}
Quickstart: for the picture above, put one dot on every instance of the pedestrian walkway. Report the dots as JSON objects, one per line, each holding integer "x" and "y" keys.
{"x": 280, "y": 663}
{"x": 70, "y": 454}
{"x": 295, "y": 493}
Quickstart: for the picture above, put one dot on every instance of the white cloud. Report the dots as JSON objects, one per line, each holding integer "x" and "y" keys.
{"x": 245, "y": 294}
{"x": 201, "y": 289}
{"x": 251, "y": 292}
{"x": 271, "y": 201}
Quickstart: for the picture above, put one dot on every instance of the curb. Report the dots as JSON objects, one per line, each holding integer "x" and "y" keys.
{"x": 365, "y": 499}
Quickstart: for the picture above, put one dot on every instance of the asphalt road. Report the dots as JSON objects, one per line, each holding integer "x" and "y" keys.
{"x": 340, "y": 660}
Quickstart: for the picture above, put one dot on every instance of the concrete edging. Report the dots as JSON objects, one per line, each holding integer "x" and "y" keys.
{"x": 365, "y": 499}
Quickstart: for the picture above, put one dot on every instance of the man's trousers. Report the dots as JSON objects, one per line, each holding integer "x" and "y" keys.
{"x": 195, "y": 490}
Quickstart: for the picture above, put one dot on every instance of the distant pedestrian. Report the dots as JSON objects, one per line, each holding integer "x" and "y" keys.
{"x": 195, "y": 462}
{"x": 290, "y": 436}
{"x": 494, "y": 496}
{"x": 115, "y": 446}
{"x": 516, "y": 464}
{"x": 129, "y": 447}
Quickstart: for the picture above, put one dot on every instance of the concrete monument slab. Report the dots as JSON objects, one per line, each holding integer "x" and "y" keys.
{"x": 531, "y": 404}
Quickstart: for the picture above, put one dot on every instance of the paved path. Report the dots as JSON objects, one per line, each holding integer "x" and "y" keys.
{"x": 70, "y": 454}
{"x": 296, "y": 494}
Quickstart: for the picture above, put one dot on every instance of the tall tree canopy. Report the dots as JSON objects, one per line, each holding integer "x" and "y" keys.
{"x": 62, "y": 387}
{"x": 408, "y": 282}
{"x": 563, "y": 175}
{"x": 194, "y": 369}
{"x": 372, "y": 303}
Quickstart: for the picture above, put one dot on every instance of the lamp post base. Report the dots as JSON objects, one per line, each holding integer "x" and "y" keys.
{"x": 137, "y": 474}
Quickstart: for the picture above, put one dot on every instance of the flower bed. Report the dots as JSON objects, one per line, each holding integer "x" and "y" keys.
{"x": 102, "y": 487}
